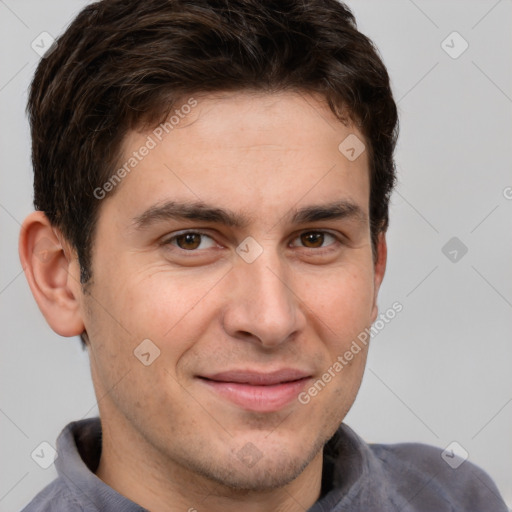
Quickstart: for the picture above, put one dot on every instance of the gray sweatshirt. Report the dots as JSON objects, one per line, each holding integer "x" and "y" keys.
{"x": 357, "y": 477}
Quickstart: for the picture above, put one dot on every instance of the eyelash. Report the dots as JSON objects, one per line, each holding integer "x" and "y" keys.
{"x": 191, "y": 252}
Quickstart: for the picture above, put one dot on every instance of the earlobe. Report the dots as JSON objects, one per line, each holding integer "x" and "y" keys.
{"x": 379, "y": 271}
{"x": 52, "y": 274}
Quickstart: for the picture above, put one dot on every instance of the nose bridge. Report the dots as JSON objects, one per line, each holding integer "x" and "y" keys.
{"x": 264, "y": 304}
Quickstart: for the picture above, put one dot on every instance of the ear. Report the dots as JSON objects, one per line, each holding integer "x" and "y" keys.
{"x": 52, "y": 272}
{"x": 379, "y": 271}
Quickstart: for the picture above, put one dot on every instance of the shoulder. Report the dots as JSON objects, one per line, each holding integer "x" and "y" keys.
{"x": 423, "y": 474}
{"x": 55, "y": 497}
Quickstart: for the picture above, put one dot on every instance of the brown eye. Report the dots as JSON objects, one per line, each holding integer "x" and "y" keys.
{"x": 313, "y": 239}
{"x": 188, "y": 241}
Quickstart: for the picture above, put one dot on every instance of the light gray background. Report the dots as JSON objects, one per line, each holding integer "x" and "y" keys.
{"x": 440, "y": 371}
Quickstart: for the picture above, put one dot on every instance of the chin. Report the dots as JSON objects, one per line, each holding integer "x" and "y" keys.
{"x": 258, "y": 471}
{"x": 265, "y": 475}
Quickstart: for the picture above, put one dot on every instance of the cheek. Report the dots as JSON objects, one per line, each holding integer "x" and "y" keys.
{"x": 123, "y": 317}
{"x": 166, "y": 308}
{"x": 343, "y": 300}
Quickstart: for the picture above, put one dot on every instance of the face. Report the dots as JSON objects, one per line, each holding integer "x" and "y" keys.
{"x": 239, "y": 249}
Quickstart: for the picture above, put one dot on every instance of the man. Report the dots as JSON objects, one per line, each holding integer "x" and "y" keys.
{"x": 211, "y": 187}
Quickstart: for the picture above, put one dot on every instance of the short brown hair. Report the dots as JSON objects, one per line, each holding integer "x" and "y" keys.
{"x": 123, "y": 64}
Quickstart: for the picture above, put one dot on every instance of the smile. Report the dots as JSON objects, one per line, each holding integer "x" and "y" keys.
{"x": 258, "y": 392}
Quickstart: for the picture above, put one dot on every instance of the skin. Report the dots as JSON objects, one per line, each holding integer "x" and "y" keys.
{"x": 171, "y": 442}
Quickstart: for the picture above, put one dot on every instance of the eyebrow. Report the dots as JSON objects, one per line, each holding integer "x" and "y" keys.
{"x": 199, "y": 211}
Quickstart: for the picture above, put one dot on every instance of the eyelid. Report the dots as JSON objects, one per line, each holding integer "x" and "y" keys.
{"x": 337, "y": 237}
{"x": 167, "y": 240}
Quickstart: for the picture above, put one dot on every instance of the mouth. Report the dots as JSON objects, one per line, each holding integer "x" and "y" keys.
{"x": 257, "y": 391}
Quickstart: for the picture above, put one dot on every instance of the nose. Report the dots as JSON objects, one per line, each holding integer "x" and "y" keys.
{"x": 262, "y": 306}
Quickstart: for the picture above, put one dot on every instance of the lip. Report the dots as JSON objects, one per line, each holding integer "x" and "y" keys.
{"x": 258, "y": 391}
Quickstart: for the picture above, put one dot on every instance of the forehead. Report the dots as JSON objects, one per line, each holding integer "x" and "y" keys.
{"x": 252, "y": 151}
